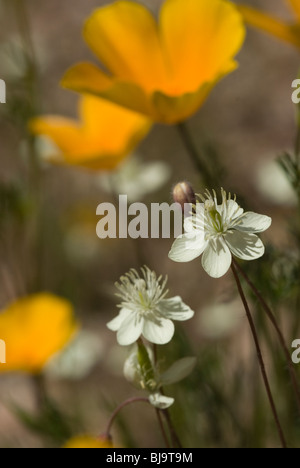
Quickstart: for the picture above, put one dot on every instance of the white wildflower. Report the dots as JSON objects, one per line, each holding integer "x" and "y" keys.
{"x": 218, "y": 232}
{"x": 145, "y": 311}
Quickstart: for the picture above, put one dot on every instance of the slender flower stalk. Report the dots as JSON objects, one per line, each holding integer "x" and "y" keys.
{"x": 196, "y": 158}
{"x": 273, "y": 320}
{"x": 35, "y": 180}
{"x": 132, "y": 401}
{"x": 260, "y": 357}
{"x": 174, "y": 435}
{"x": 123, "y": 405}
{"x": 142, "y": 369}
{"x": 23, "y": 23}
{"x": 162, "y": 428}
{"x": 158, "y": 411}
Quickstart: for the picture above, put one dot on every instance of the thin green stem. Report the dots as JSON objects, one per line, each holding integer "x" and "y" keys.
{"x": 162, "y": 428}
{"x": 24, "y": 27}
{"x": 260, "y": 358}
{"x": 30, "y": 79}
{"x": 40, "y": 391}
{"x": 22, "y": 19}
{"x": 126, "y": 403}
{"x": 195, "y": 156}
{"x": 113, "y": 417}
{"x": 175, "y": 439}
{"x": 273, "y": 320}
{"x": 174, "y": 436}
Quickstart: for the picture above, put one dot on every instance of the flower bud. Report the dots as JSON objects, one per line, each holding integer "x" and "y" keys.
{"x": 138, "y": 368}
{"x": 183, "y": 193}
{"x": 132, "y": 371}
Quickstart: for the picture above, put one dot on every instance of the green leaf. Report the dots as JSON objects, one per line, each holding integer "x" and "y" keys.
{"x": 179, "y": 371}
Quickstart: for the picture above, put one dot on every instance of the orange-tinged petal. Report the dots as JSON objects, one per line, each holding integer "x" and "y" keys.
{"x": 102, "y": 118}
{"x": 200, "y": 37}
{"x": 171, "y": 110}
{"x": 88, "y": 442}
{"x": 34, "y": 329}
{"x": 87, "y": 78}
{"x": 106, "y": 134}
{"x": 124, "y": 36}
{"x": 295, "y": 4}
{"x": 86, "y": 74}
{"x": 273, "y": 26}
{"x": 63, "y": 132}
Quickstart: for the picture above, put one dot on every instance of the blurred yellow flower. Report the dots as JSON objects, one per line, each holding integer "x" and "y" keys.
{"x": 34, "y": 329}
{"x": 104, "y": 136}
{"x": 88, "y": 442}
{"x": 165, "y": 70}
{"x": 286, "y": 31}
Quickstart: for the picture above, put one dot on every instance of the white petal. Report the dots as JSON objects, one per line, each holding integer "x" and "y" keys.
{"x": 159, "y": 331}
{"x": 130, "y": 330}
{"x": 187, "y": 247}
{"x": 253, "y": 222}
{"x": 179, "y": 371}
{"x": 245, "y": 245}
{"x": 196, "y": 221}
{"x": 116, "y": 323}
{"x": 160, "y": 401}
{"x": 231, "y": 211}
{"x": 217, "y": 258}
{"x": 189, "y": 225}
{"x": 175, "y": 309}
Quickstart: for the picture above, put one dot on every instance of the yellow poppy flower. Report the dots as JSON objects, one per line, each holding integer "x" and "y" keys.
{"x": 286, "y": 31}
{"x": 88, "y": 442}
{"x": 34, "y": 329}
{"x": 166, "y": 70}
{"x": 104, "y": 136}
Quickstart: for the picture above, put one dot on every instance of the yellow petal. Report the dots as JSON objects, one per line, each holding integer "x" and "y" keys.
{"x": 200, "y": 38}
{"x": 111, "y": 124}
{"x": 295, "y": 4}
{"x": 273, "y": 26}
{"x": 125, "y": 38}
{"x": 172, "y": 110}
{"x": 63, "y": 132}
{"x": 106, "y": 134}
{"x": 88, "y": 442}
{"x": 34, "y": 329}
{"x": 194, "y": 44}
{"x": 87, "y": 78}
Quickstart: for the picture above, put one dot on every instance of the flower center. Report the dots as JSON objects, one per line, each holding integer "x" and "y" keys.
{"x": 142, "y": 295}
{"x": 213, "y": 216}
